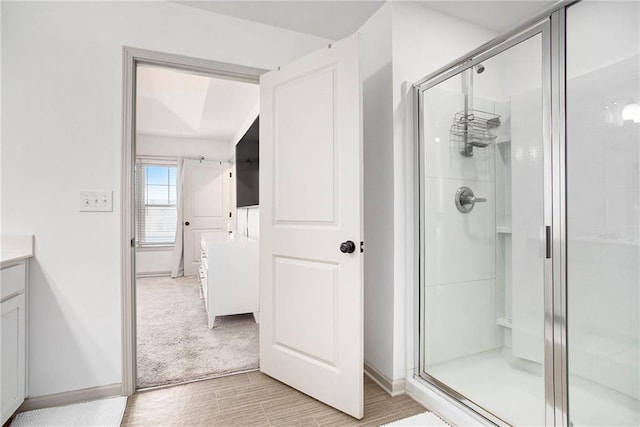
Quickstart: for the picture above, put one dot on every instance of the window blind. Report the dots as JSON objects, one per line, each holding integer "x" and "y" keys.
{"x": 156, "y": 209}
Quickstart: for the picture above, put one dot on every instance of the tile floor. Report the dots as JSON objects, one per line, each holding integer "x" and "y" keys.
{"x": 254, "y": 399}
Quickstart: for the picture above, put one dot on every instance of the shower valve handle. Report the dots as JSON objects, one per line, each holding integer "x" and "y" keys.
{"x": 473, "y": 200}
{"x": 466, "y": 200}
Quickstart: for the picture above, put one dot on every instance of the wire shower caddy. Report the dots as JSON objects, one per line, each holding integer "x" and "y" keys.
{"x": 471, "y": 128}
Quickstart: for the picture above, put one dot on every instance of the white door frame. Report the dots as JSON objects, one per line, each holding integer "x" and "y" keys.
{"x": 131, "y": 58}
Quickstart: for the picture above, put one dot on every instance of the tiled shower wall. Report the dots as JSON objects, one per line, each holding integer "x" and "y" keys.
{"x": 460, "y": 248}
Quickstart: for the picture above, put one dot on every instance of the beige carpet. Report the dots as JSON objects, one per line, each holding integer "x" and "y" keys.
{"x": 174, "y": 342}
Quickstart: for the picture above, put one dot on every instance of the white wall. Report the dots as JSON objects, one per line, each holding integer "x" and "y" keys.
{"x": 154, "y": 261}
{"x": 61, "y": 114}
{"x": 375, "y": 37}
{"x": 248, "y": 121}
{"x": 423, "y": 41}
{"x": 594, "y": 48}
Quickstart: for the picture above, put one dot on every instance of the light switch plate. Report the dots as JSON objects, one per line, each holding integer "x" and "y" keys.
{"x": 96, "y": 201}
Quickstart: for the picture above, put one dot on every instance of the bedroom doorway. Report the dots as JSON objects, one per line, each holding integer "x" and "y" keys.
{"x": 188, "y": 120}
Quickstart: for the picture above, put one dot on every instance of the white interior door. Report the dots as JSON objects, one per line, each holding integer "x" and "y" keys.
{"x": 311, "y": 295}
{"x": 206, "y": 206}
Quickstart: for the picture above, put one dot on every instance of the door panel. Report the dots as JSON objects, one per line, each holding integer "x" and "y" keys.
{"x": 483, "y": 285}
{"x": 310, "y": 197}
{"x": 603, "y": 213}
{"x": 310, "y": 138}
{"x": 207, "y": 186}
{"x": 306, "y": 289}
{"x": 206, "y": 206}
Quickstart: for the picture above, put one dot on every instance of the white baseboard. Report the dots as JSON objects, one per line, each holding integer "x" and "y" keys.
{"x": 144, "y": 274}
{"x": 70, "y": 397}
{"x": 393, "y": 387}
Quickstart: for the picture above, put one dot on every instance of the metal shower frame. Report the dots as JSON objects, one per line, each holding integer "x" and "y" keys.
{"x": 551, "y": 25}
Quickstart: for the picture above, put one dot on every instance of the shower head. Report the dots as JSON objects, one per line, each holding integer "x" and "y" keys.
{"x": 479, "y": 68}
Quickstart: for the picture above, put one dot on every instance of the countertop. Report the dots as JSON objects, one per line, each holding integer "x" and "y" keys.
{"x": 15, "y": 248}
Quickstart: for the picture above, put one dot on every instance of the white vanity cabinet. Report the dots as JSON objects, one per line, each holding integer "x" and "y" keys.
{"x": 229, "y": 275}
{"x": 16, "y": 251}
{"x": 13, "y": 349}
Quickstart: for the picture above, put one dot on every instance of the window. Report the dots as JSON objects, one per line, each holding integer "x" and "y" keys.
{"x": 156, "y": 207}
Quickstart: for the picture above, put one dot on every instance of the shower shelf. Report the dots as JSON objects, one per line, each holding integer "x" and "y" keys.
{"x": 504, "y": 322}
{"x": 472, "y": 128}
{"x": 503, "y": 229}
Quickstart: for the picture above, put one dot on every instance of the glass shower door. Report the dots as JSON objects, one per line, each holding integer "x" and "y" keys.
{"x": 483, "y": 212}
{"x": 603, "y": 212}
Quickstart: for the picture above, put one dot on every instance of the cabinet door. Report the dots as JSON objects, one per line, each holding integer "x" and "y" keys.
{"x": 12, "y": 321}
{"x": 12, "y": 280}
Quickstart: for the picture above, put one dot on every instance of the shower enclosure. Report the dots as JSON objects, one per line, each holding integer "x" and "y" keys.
{"x": 529, "y": 153}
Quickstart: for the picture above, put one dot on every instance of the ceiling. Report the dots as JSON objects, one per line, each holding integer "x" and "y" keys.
{"x": 336, "y": 19}
{"x": 497, "y": 16}
{"x": 181, "y": 104}
{"x": 331, "y": 19}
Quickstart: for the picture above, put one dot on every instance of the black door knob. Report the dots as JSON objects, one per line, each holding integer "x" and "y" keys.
{"x": 186, "y": 223}
{"x": 347, "y": 247}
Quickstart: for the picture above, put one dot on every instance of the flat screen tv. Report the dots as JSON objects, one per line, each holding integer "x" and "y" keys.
{"x": 247, "y": 166}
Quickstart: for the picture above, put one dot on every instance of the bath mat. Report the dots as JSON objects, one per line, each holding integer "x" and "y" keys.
{"x": 102, "y": 413}
{"x": 426, "y": 419}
